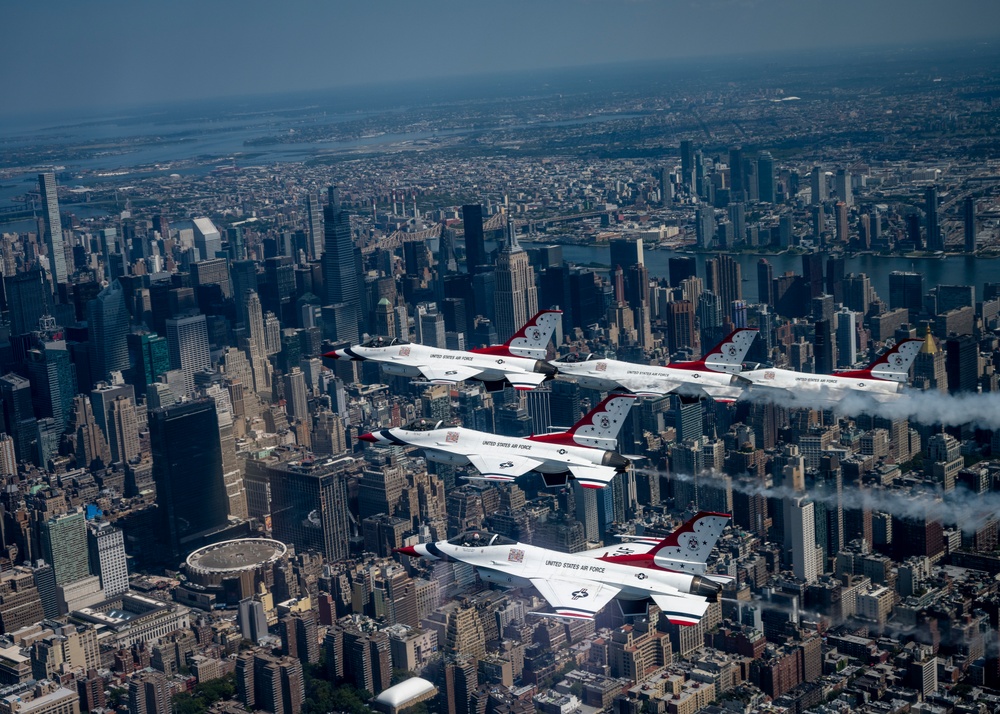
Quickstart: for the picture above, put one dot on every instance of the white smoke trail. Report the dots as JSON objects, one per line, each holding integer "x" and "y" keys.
{"x": 924, "y": 407}
{"x": 960, "y": 507}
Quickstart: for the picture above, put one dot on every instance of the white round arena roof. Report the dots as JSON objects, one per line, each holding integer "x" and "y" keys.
{"x": 404, "y": 692}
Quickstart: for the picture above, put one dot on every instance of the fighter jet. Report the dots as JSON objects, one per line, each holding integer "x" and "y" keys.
{"x": 715, "y": 375}
{"x": 883, "y": 380}
{"x": 519, "y": 362}
{"x": 579, "y": 585}
{"x": 586, "y": 451}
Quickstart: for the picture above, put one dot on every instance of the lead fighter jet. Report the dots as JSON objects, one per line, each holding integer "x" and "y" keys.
{"x": 586, "y": 451}
{"x": 716, "y": 375}
{"x": 520, "y": 361}
{"x": 579, "y": 585}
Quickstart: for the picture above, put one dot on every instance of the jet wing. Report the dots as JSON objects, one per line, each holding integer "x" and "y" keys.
{"x": 576, "y": 599}
{"x": 681, "y": 608}
{"x": 648, "y": 387}
{"x": 639, "y": 546}
{"x": 525, "y": 380}
{"x": 502, "y": 467}
{"x": 592, "y": 476}
{"x": 448, "y": 374}
{"x": 723, "y": 394}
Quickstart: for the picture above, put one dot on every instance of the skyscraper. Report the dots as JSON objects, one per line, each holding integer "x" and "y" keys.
{"x": 27, "y": 300}
{"x": 187, "y": 344}
{"x": 108, "y": 323}
{"x": 723, "y": 277}
{"x": 340, "y": 273}
{"x": 187, "y": 469}
{"x": 314, "y": 224}
{"x": 207, "y": 239}
{"x": 847, "y": 339}
{"x": 476, "y": 260}
{"x": 765, "y": 288}
{"x": 806, "y": 554}
{"x": 906, "y": 290}
{"x": 969, "y": 215}
{"x": 296, "y": 396}
{"x": 53, "y": 380}
{"x": 123, "y": 430}
{"x": 53, "y": 229}
{"x": 842, "y": 183}
{"x": 935, "y": 239}
{"x": 64, "y": 546}
{"x": 257, "y": 344}
{"x": 309, "y": 503}
{"x": 765, "y": 177}
{"x": 516, "y": 297}
{"x": 687, "y": 164}
{"x": 149, "y": 357}
{"x": 817, "y": 182}
{"x": 18, "y": 414}
{"x": 107, "y": 557}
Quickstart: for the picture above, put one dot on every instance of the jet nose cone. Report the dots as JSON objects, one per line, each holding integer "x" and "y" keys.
{"x": 332, "y": 355}
{"x": 543, "y": 367}
{"x": 407, "y": 550}
{"x": 369, "y": 437}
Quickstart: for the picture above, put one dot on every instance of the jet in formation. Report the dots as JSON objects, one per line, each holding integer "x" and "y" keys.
{"x": 884, "y": 379}
{"x": 587, "y": 451}
{"x": 671, "y": 572}
{"x": 519, "y": 362}
{"x": 716, "y": 375}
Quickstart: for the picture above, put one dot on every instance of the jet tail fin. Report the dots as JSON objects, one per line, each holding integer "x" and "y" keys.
{"x": 686, "y": 550}
{"x": 892, "y": 365}
{"x": 599, "y": 428}
{"x": 531, "y": 341}
{"x": 727, "y": 356}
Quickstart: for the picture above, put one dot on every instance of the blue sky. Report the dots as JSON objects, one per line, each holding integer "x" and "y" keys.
{"x": 72, "y": 54}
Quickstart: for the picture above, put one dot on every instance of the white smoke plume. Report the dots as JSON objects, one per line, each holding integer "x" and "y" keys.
{"x": 924, "y": 407}
{"x": 959, "y": 507}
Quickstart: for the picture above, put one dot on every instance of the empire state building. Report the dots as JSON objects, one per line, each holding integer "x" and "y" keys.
{"x": 516, "y": 296}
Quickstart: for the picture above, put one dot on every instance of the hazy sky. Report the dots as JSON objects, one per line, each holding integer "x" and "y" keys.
{"x": 71, "y": 54}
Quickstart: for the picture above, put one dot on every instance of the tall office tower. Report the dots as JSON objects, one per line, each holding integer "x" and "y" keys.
{"x": 229, "y": 410}
{"x": 840, "y": 213}
{"x": 432, "y": 328}
{"x": 207, "y": 239}
{"x": 88, "y": 438}
{"x": 149, "y": 357}
{"x": 765, "y": 278}
{"x": 237, "y": 247}
{"x": 687, "y": 164}
{"x": 666, "y": 188}
{"x": 54, "y": 243}
{"x": 710, "y": 316}
{"x": 835, "y": 278}
{"x": 842, "y": 184}
{"x": 27, "y": 300}
{"x": 704, "y": 226}
{"x": 847, "y": 338}
{"x": 681, "y": 268}
{"x": 385, "y": 319}
{"x": 108, "y": 322}
{"x": 309, "y": 503}
{"x": 53, "y": 379}
{"x": 723, "y": 277}
{"x": 123, "y": 430}
{"x": 825, "y": 348}
{"x": 148, "y": 693}
{"x": 257, "y": 345}
{"x": 680, "y": 326}
{"x": 107, "y": 557}
{"x": 969, "y": 214}
{"x": 8, "y": 458}
{"x": 858, "y": 293}
{"x": 244, "y": 278}
{"x": 626, "y": 252}
{"x": 817, "y": 182}
{"x": 961, "y": 363}
{"x": 736, "y": 179}
{"x": 64, "y": 546}
{"x": 214, "y": 271}
{"x": 935, "y": 238}
{"x": 765, "y": 177}
{"x": 341, "y": 277}
{"x": 906, "y": 290}
{"x": 296, "y": 396}
{"x": 476, "y": 260}
{"x": 929, "y": 370}
{"x": 19, "y": 417}
{"x": 516, "y": 297}
{"x": 314, "y": 225}
{"x": 738, "y": 217}
{"x": 187, "y": 469}
{"x": 187, "y": 344}
{"x": 806, "y": 554}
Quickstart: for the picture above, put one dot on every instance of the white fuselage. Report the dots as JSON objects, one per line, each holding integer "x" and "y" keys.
{"x": 405, "y": 361}
{"x": 795, "y": 382}
{"x": 450, "y": 446}
{"x": 641, "y": 379}
{"x": 515, "y": 565}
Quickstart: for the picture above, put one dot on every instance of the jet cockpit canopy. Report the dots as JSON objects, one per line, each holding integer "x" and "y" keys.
{"x": 480, "y": 539}
{"x": 424, "y": 425}
{"x": 379, "y": 341}
{"x": 576, "y": 357}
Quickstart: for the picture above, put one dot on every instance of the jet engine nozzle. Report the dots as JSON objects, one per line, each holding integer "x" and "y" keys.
{"x": 703, "y": 587}
{"x": 543, "y": 367}
{"x": 615, "y": 460}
